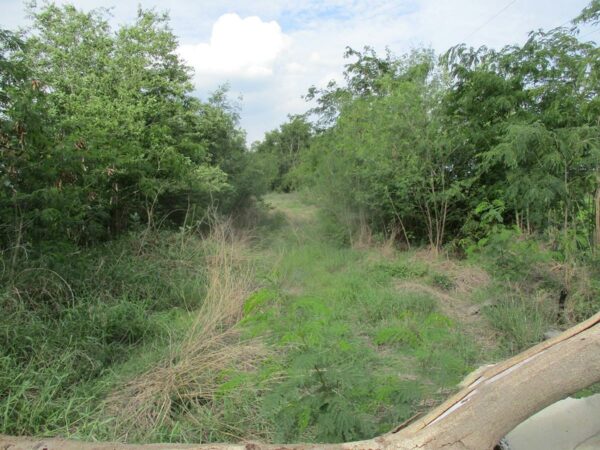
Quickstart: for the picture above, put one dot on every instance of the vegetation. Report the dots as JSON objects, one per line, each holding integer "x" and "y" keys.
{"x": 502, "y": 138}
{"x": 431, "y": 214}
{"x": 280, "y": 151}
{"x": 100, "y": 132}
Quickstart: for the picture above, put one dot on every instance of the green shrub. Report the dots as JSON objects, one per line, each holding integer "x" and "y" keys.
{"x": 442, "y": 281}
{"x": 259, "y": 299}
{"x": 512, "y": 255}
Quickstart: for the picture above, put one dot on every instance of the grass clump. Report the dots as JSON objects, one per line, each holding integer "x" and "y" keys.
{"x": 190, "y": 381}
{"x": 521, "y": 320}
{"x": 442, "y": 281}
{"x": 401, "y": 269}
{"x": 77, "y": 330}
{"x": 398, "y": 335}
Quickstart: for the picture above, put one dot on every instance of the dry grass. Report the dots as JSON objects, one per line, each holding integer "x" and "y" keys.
{"x": 465, "y": 277}
{"x": 459, "y": 308}
{"x": 189, "y": 378}
{"x": 362, "y": 239}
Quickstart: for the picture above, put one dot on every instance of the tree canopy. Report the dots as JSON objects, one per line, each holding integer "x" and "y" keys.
{"x": 100, "y": 130}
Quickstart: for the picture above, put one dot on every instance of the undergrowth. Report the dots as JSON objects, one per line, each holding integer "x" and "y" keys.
{"x": 289, "y": 336}
{"x": 530, "y": 278}
{"x": 68, "y": 322}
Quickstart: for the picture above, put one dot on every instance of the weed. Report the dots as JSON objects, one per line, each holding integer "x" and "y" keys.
{"x": 186, "y": 382}
{"x": 398, "y": 334}
{"x": 442, "y": 281}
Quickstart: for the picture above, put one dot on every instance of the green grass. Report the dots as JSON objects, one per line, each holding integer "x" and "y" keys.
{"x": 356, "y": 356}
{"x": 349, "y": 353}
{"x": 68, "y": 323}
{"x": 527, "y": 281}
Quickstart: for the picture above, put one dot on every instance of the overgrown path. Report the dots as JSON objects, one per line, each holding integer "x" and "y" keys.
{"x": 287, "y": 335}
{"x": 300, "y": 337}
{"x": 364, "y": 338}
{"x": 450, "y": 283}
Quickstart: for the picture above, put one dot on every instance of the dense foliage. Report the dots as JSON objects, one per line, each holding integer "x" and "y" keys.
{"x": 128, "y": 313}
{"x": 108, "y": 166}
{"x": 438, "y": 150}
{"x": 99, "y": 131}
{"x": 280, "y": 151}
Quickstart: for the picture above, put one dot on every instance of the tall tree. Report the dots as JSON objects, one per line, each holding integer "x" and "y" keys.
{"x": 123, "y": 139}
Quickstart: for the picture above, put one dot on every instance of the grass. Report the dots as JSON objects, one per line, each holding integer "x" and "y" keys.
{"x": 187, "y": 380}
{"x": 74, "y": 331}
{"x": 289, "y": 336}
{"x": 355, "y": 355}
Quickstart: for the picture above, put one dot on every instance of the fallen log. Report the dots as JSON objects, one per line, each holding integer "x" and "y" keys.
{"x": 493, "y": 403}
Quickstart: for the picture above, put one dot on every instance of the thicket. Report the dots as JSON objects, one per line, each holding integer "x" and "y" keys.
{"x": 99, "y": 132}
{"x": 280, "y": 152}
{"x": 451, "y": 149}
{"x": 110, "y": 169}
{"x": 493, "y": 155}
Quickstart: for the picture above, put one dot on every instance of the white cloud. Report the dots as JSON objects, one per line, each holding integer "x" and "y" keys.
{"x": 238, "y": 48}
{"x": 271, "y": 51}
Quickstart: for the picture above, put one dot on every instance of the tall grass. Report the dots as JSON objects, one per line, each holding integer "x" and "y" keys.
{"x": 529, "y": 278}
{"x": 76, "y": 324}
{"x": 186, "y": 382}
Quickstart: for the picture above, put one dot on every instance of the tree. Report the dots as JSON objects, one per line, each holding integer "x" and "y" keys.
{"x": 282, "y": 147}
{"x": 22, "y": 135}
{"x": 123, "y": 140}
{"x": 528, "y": 115}
{"x": 387, "y": 161}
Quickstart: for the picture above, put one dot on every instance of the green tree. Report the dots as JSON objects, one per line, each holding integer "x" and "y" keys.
{"x": 282, "y": 148}
{"x": 527, "y": 115}
{"x": 123, "y": 140}
{"x": 23, "y": 132}
{"x": 386, "y": 162}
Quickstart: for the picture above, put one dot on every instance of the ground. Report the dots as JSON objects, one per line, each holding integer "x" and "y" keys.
{"x": 283, "y": 333}
{"x": 366, "y": 337}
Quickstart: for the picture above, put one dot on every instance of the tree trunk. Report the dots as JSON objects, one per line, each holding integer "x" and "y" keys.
{"x": 493, "y": 403}
{"x": 597, "y": 230}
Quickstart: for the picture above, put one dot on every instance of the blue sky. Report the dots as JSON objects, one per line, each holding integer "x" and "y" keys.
{"x": 270, "y": 52}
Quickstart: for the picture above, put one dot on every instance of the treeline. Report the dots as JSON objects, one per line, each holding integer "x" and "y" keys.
{"x": 452, "y": 149}
{"x": 100, "y": 132}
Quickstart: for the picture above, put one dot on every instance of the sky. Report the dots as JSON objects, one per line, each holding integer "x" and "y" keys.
{"x": 270, "y": 51}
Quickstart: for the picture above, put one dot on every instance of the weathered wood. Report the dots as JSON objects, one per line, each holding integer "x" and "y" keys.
{"x": 492, "y": 404}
